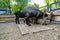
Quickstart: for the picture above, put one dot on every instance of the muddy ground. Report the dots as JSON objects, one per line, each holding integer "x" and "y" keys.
{"x": 10, "y": 31}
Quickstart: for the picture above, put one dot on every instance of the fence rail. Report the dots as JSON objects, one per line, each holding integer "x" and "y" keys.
{"x": 7, "y": 17}
{"x": 52, "y": 5}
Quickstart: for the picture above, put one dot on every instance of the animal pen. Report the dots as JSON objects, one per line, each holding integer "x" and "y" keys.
{"x": 55, "y": 12}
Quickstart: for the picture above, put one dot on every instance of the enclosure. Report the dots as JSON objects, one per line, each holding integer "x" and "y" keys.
{"x": 11, "y": 31}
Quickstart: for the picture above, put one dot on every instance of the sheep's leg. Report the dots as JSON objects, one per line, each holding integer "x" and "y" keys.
{"x": 17, "y": 19}
{"x": 27, "y": 19}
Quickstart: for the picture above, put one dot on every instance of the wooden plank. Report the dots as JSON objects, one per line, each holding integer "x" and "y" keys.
{"x": 7, "y": 17}
{"x": 57, "y": 18}
{"x": 3, "y": 16}
{"x": 56, "y": 12}
{"x": 24, "y": 29}
{"x": 44, "y": 20}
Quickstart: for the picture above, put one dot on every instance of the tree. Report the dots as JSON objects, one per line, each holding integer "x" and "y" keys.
{"x": 4, "y": 3}
{"x": 19, "y": 6}
{"x": 22, "y": 3}
{"x": 48, "y": 2}
{"x": 56, "y": 5}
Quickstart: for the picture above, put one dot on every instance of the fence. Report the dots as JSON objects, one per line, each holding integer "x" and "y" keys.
{"x": 7, "y": 17}
{"x": 55, "y": 6}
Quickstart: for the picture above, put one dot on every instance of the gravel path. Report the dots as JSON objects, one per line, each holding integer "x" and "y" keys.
{"x": 10, "y": 31}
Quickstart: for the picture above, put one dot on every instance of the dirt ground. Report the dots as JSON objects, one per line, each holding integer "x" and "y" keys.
{"x": 10, "y": 31}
